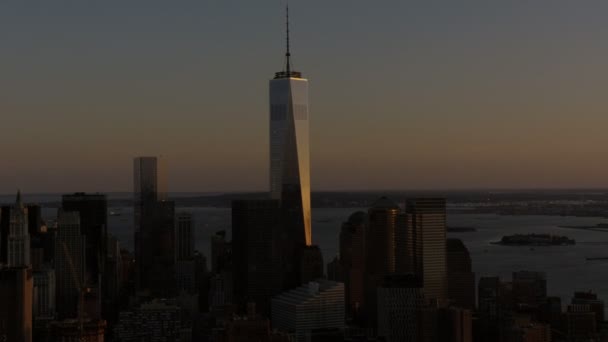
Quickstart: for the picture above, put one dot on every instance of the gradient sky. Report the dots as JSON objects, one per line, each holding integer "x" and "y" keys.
{"x": 404, "y": 94}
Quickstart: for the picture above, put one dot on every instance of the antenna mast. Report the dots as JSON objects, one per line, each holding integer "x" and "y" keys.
{"x": 287, "y": 53}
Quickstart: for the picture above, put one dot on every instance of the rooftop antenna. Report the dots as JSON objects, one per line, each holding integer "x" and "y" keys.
{"x": 287, "y": 53}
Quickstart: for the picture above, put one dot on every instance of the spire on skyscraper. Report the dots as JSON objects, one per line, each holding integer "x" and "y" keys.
{"x": 287, "y": 52}
{"x": 287, "y": 73}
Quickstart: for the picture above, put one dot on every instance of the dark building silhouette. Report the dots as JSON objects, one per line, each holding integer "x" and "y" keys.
{"x": 551, "y": 312}
{"x": 352, "y": 259}
{"x": 399, "y": 299}
{"x": 489, "y": 308}
{"x": 93, "y": 211}
{"x": 426, "y": 244}
{"x": 34, "y": 219}
{"x": 256, "y": 258}
{"x": 70, "y": 254}
{"x": 5, "y": 220}
{"x": 16, "y": 289}
{"x": 154, "y": 228}
{"x": 221, "y": 252}
{"x": 495, "y": 309}
{"x": 596, "y": 305}
{"x": 461, "y": 279}
{"x": 185, "y": 265}
{"x": 311, "y": 264}
{"x": 529, "y": 288}
{"x": 580, "y": 323}
{"x": 455, "y": 324}
{"x": 335, "y": 270}
{"x": 380, "y": 251}
{"x": 156, "y": 261}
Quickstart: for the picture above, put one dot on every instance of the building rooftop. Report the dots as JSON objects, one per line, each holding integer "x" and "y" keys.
{"x": 307, "y": 291}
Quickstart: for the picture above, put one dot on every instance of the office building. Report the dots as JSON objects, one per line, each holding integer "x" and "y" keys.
{"x": 461, "y": 279}
{"x": 455, "y": 324}
{"x": 69, "y": 263}
{"x": 399, "y": 299}
{"x": 185, "y": 265}
{"x": 335, "y": 271}
{"x": 580, "y": 323}
{"x": 18, "y": 235}
{"x": 352, "y": 259}
{"x": 16, "y": 290}
{"x": 527, "y": 330}
{"x": 156, "y": 321}
{"x": 311, "y": 264}
{"x": 149, "y": 184}
{"x": 256, "y": 258}
{"x": 529, "y": 288}
{"x": 221, "y": 252}
{"x": 93, "y": 213}
{"x": 309, "y": 308}
{"x": 70, "y": 330}
{"x": 289, "y": 147}
{"x": 154, "y": 228}
{"x": 44, "y": 294}
{"x": 113, "y": 280}
{"x": 381, "y": 251}
{"x": 596, "y": 305}
{"x": 184, "y": 236}
{"x": 426, "y": 227}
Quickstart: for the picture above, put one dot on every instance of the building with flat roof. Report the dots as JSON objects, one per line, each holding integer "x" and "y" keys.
{"x": 311, "y": 307}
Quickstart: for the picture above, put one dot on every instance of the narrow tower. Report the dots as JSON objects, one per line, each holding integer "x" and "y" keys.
{"x": 18, "y": 235}
{"x": 289, "y": 148}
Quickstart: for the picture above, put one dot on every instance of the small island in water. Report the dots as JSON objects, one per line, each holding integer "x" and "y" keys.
{"x": 535, "y": 240}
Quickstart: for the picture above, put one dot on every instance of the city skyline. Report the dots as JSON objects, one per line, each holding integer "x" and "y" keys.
{"x": 452, "y": 96}
{"x": 415, "y": 97}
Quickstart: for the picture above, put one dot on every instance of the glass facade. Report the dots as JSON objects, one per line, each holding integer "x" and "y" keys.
{"x": 289, "y": 147}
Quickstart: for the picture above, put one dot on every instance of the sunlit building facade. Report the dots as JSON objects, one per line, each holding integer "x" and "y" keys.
{"x": 289, "y": 147}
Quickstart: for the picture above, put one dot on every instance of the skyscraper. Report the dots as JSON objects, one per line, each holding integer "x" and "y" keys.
{"x": 149, "y": 184}
{"x": 256, "y": 258}
{"x": 426, "y": 241}
{"x": 289, "y": 149}
{"x": 18, "y": 235}
{"x": 185, "y": 265}
{"x": 154, "y": 227}
{"x": 69, "y": 263}
{"x": 380, "y": 254}
{"x": 93, "y": 212}
{"x": 352, "y": 258}
{"x": 16, "y": 290}
{"x": 461, "y": 279}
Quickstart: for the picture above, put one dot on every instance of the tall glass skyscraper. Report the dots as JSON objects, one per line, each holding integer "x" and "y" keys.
{"x": 289, "y": 147}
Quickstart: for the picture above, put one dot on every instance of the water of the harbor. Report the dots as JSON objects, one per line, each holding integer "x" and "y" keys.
{"x": 566, "y": 266}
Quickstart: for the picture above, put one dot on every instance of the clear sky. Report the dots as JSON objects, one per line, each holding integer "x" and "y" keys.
{"x": 404, "y": 94}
